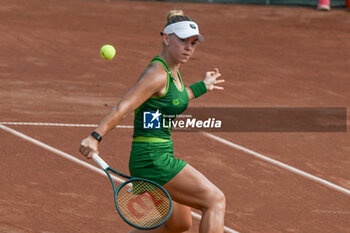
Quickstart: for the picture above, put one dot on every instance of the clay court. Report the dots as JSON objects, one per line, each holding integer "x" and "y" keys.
{"x": 270, "y": 56}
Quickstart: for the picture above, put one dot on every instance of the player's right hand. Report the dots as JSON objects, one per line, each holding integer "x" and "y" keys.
{"x": 88, "y": 147}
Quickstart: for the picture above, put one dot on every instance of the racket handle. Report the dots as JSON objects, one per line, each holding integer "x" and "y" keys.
{"x": 100, "y": 162}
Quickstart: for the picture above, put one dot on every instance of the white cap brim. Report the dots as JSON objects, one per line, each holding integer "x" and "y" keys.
{"x": 184, "y": 29}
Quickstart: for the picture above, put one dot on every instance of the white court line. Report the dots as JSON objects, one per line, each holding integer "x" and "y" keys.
{"x": 279, "y": 164}
{"x": 60, "y": 124}
{"x": 58, "y": 152}
{"x": 80, "y": 162}
{"x": 219, "y": 139}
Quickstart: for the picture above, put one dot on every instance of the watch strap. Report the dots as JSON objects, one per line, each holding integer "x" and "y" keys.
{"x": 97, "y": 136}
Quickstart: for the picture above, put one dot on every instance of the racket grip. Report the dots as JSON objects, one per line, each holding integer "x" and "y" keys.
{"x": 100, "y": 162}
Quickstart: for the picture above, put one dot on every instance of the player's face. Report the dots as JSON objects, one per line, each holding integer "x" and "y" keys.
{"x": 182, "y": 49}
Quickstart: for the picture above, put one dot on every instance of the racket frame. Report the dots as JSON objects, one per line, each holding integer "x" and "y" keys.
{"x": 99, "y": 161}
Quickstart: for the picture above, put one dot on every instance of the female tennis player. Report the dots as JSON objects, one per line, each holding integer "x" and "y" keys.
{"x": 160, "y": 90}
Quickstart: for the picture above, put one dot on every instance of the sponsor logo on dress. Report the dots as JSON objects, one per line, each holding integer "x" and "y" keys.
{"x": 176, "y": 102}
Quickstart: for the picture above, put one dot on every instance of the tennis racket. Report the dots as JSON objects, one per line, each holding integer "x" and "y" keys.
{"x": 141, "y": 203}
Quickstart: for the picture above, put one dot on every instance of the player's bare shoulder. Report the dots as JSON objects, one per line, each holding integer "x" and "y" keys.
{"x": 155, "y": 77}
{"x": 155, "y": 71}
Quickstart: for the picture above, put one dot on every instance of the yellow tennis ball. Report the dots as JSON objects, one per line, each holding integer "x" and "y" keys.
{"x": 107, "y": 52}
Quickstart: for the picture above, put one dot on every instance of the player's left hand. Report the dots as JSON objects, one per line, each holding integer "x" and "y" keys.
{"x": 211, "y": 80}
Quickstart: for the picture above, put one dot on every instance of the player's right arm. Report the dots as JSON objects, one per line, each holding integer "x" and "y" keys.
{"x": 151, "y": 83}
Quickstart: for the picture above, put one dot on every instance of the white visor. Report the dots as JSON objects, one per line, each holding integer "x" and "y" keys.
{"x": 184, "y": 29}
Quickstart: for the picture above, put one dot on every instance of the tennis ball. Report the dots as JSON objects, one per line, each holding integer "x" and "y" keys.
{"x": 107, "y": 52}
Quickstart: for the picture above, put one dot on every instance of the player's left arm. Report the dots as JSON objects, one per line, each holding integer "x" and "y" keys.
{"x": 210, "y": 81}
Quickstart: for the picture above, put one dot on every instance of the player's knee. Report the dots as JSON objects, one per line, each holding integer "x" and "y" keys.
{"x": 221, "y": 200}
{"x": 180, "y": 221}
{"x": 216, "y": 200}
{"x": 184, "y": 226}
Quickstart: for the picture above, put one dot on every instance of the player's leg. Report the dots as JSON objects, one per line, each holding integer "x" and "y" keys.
{"x": 179, "y": 221}
{"x": 191, "y": 188}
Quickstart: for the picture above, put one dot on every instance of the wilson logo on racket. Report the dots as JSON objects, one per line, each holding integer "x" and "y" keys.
{"x": 151, "y": 120}
{"x": 145, "y": 202}
{"x": 141, "y": 203}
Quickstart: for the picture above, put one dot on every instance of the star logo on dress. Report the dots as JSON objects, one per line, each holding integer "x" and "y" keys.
{"x": 151, "y": 120}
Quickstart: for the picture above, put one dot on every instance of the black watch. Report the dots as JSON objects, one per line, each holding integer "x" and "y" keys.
{"x": 97, "y": 136}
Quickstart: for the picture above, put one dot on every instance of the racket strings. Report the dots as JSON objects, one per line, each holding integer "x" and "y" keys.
{"x": 143, "y": 204}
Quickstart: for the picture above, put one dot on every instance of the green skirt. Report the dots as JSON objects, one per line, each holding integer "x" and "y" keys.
{"x": 154, "y": 161}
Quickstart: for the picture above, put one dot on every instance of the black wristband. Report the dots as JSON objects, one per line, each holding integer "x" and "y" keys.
{"x": 97, "y": 136}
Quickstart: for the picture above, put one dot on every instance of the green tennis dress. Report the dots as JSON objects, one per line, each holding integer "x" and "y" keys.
{"x": 152, "y": 151}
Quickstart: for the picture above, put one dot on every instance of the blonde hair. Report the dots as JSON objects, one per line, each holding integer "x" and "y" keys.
{"x": 175, "y": 16}
{"x": 173, "y": 13}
